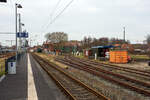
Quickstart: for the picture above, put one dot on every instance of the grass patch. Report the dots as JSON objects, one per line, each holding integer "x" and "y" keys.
{"x": 81, "y": 56}
{"x": 45, "y": 56}
{"x": 2, "y": 67}
{"x": 2, "y": 73}
{"x": 139, "y": 57}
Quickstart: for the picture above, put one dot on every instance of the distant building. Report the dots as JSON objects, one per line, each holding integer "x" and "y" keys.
{"x": 140, "y": 46}
{"x": 72, "y": 43}
{"x": 68, "y": 46}
{"x": 71, "y": 46}
{"x": 128, "y": 47}
{"x": 133, "y": 48}
{"x": 48, "y": 46}
{"x": 101, "y": 50}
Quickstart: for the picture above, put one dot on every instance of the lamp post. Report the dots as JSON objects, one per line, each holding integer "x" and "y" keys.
{"x": 16, "y": 6}
{"x": 22, "y": 24}
{"x": 4, "y": 1}
{"x": 20, "y": 30}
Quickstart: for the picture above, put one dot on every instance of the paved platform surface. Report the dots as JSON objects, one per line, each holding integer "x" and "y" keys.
{"x": 29, "y": 82}
{"x": 14, "y": 87}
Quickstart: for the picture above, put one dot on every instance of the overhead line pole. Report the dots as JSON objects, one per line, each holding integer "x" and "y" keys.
{"x": 124, "y": 34}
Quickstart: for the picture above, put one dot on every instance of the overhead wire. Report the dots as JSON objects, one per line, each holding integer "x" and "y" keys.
{"x": 57, "y": 16}
{"x": 53, "y": 12}
{"x": 60, "y": 7}
{"x": 12, "y": 5}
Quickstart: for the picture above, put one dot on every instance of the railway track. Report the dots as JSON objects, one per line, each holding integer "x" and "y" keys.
{"x": 142, "y": 76}
{"x": 114, "y": 74}
{"x": 135, "y": 85}
{"x": 73, "y": 88}
{"x": 129, "y": 73}
{"x": 126, "y": 69}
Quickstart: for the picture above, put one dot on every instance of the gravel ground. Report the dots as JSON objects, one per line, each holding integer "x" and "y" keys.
{"x": 124, "y": 73}
{"x": 103, "y": 88}
{"x": 130, "y": 75}
{"x": 137, "y": 65}
{"x": 110, "y": 90}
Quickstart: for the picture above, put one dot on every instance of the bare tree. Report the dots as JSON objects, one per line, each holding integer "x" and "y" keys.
{"x": 0, "y": 45}
{"x": 84, "y": 42}
{"x": 118, "y": 41}
{"x": 95, "y": 42}
{"x": 56, "y": 37}
{"x": 103, "y": 41}
{"x": 89, "y": 41}
{"x": 148, "y": 44}
{"x": 148, "y": 39}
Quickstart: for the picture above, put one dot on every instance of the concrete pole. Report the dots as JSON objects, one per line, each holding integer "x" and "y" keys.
{"x": 19, "y": 15}
{"x": 124, "y": 34}
{"x": 16, "y": 30}
{"x": 20, "y": 27}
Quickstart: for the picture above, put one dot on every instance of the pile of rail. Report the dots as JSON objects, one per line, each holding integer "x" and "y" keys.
{"x": 106, "y": 73}
{"x": 73, "y": 88}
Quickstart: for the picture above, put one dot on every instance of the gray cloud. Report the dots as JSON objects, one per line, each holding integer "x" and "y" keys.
{"x": 97, "y": 18}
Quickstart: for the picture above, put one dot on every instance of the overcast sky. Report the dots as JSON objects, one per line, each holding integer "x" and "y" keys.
{"x": 95, "y": 18}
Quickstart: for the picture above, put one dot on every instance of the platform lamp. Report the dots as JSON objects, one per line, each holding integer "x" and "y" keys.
{"x": 4, "y": 1}
{"x": 16, "y": 6}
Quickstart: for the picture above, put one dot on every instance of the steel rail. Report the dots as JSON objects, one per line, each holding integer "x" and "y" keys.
{"x": 84, "y": 68}
{"x": 132, "y": 70}
{"x": 99, "y": 95}
{"x": 114, "y": 74}
{"x": 71, "y": 97}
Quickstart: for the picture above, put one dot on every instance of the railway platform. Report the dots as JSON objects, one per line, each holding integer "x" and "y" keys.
{"x": 30, "y": 83}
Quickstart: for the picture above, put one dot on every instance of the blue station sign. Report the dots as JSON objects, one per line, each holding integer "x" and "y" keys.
{"x": 22, "y": 34}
